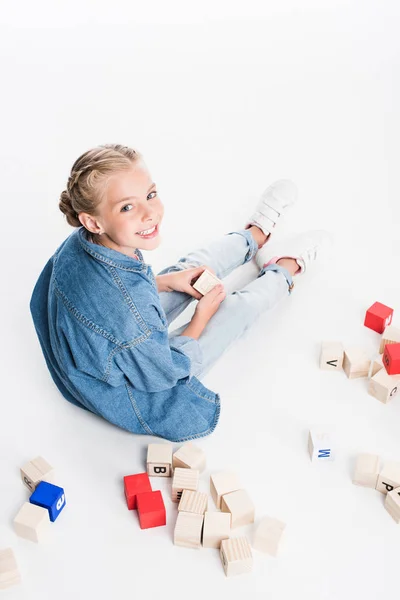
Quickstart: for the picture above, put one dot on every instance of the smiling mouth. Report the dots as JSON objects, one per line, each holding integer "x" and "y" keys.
{"x": 148, "y": 233}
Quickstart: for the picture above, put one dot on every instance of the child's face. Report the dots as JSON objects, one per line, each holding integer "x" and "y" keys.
{"x": 122, "y": 220}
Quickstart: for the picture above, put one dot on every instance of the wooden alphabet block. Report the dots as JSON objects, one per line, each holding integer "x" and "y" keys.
{"x": 367, "y": 470}
{"x": 206, "y": 282}
{"x": 36, "y": 470}
{"x": 383, "y": 387}
{"x": 188, "y": 529}
{"x": 32, "y": 522}
{"x": 392, "y": 504}
{"x": 195, "y": 502}
{"x": 391, "y": 359}
{"x": 49, "y": 496}
{"x": 240, "y": 507}
{"x": 9, "y": 572}
{"x": 375, "y": 366}
{"x": 222, "y": 483}
{"x": 268, "y": 535}
{"x": 391, "y": 335}
{"x": 320, "y": 446}
{"x": 378, "y": 316}
{"x": 159, "y": 460}
{"x": 356, "y": 363}
{"x": 151, "y": 509}
{"x": 184, "y": 479}
{"x": 189, "y": 456}
{"x": 134, "y": 485}
{"x": 331, "y": 357}
{"x": 389, "y": 477}
{"x": 217, "y": 527}
{"x": 236, "y": 556}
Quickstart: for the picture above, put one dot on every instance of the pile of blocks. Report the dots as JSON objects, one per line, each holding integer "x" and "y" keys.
{"x": 196, "y": 525}
{"x": 33, "y": 519}
{"x": 383, "y": 370}
{"x": 386, "y": 480}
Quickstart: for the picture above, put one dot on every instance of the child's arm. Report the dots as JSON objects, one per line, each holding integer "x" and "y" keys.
{"x": 195, "y": 327}
{"x": 206, "y": 307}
{"x": 162, "y": 283}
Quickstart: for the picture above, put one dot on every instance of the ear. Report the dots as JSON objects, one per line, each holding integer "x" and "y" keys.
{"x": 90, "y": 223}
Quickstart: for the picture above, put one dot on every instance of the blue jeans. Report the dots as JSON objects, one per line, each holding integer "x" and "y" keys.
{"x": 239, "y": 310}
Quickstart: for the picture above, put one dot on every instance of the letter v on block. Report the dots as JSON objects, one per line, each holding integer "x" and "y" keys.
{"x": 331, "y": 356}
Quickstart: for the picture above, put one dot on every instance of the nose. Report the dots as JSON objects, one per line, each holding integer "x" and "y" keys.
{"x": 148, "y": 215}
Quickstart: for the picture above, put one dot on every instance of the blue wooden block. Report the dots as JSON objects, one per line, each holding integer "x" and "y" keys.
{"x": 49, "y": 496}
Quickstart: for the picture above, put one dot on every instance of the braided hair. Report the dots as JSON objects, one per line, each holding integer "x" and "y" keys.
{"x": 85, "y": 186}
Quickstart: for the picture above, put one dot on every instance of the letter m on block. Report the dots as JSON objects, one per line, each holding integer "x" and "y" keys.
{"x": 324, "y": 453}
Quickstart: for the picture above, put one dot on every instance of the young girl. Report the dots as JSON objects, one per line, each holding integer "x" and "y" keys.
{"x": 102, "y": 316}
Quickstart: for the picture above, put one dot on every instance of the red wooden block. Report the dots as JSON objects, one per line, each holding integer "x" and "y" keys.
{"x": 133, "y": 485}
{"x": 391, "y": 358}
{"x": 378, "y": 317}
{"x": 151, "y": 509}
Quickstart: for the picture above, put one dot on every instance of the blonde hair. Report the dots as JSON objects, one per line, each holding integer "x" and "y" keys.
{"x": 89, "y": 173}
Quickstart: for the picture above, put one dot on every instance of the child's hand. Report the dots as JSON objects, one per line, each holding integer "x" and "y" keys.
{"x": 182, "y": 281}
{"x": 209, "y": 303}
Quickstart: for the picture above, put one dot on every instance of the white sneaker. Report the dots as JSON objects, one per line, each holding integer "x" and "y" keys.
{"x": 304, "y": 248}
{"x": 272, "y": 204}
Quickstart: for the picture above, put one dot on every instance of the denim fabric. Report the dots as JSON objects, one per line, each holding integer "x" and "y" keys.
{"x": 239, "y": 310}
{"x": 103, "y": 330}
{"x": 104, "y": 335}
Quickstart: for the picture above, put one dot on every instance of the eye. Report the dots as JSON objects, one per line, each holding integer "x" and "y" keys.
{"x": 155, "y": 192}
{"x": 126, "y": 208}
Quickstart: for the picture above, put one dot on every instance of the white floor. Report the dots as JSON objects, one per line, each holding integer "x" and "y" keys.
{"x": 221, "y": 100}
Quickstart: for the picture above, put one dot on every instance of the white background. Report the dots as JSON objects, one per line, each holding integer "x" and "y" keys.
{"x": 222, "y": 99}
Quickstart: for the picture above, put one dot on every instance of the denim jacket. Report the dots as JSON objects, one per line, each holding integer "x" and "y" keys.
{"x": 104, "y": 335}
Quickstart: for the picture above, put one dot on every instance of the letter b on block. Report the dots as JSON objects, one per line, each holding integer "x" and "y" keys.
{"x": 160, "y": 470}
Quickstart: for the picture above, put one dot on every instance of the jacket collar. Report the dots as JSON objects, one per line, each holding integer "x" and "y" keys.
{"x": 110, "y": 256}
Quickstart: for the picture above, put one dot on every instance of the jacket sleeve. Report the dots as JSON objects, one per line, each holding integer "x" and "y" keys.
{"x": 159, "y": 363}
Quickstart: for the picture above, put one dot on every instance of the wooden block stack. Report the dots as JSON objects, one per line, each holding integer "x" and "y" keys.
{"x": 32, "y": 522}
{"x": 197, "y": 525}
{"x": 46, "y": 501}
{"x": 386, "y": 480}
{"x": 139, "y": 493}
{"x": 383, "y": 372}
